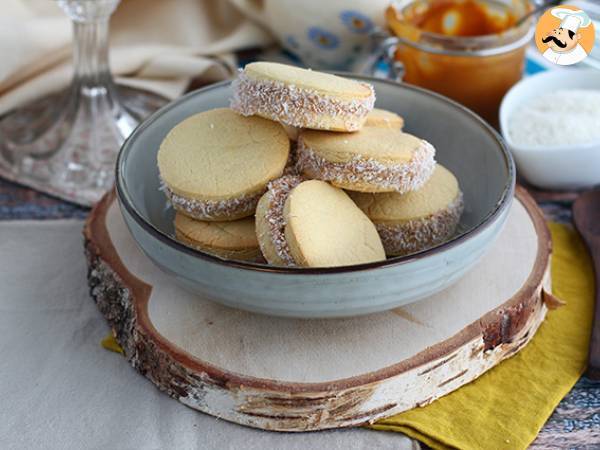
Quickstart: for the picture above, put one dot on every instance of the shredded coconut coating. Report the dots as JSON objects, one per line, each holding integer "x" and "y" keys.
{"x": 298, "y": 107}
{"x": 420, "y": 234}
{"x": 401, "y": 178}
{"x": 234, "y": 208}
{"x": 290, "y": 165}
{"x": 278, "y": 191}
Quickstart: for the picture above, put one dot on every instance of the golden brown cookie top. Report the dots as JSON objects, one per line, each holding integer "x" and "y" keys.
{"x": 385, "y": 145}
{"x": 384, "y": 119}
{"x": 218, "y": 155}
{"x": 323, "y": 83}
{"x": 324, "y": 228}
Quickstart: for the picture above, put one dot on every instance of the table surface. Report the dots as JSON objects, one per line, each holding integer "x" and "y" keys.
{"x": 575, "y": 422}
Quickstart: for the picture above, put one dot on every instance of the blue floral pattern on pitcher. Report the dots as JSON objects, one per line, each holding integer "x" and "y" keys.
{"x": 323, "y": 38}
{"x": 357, "y": 22}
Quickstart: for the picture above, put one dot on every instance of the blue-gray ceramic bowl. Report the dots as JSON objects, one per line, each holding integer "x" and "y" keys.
{"x": 465, "y": 144}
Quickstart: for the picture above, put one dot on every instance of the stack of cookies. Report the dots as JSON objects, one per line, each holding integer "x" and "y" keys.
{"x": 302, "y": 171}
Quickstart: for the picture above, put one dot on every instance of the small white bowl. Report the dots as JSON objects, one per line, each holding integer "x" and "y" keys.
{"x": 557, "y": 167}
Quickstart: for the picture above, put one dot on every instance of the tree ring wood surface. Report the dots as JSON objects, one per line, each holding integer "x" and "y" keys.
{"x": 300, "y": 375}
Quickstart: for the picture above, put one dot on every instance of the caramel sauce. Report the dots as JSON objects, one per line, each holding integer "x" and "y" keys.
{"x": 464, "y": 18}
{"x": 478, "y": 82}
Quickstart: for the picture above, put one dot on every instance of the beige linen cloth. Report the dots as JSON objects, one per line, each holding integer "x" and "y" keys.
{"x": 60, "y": 390}
{"x": 158, "y": 45}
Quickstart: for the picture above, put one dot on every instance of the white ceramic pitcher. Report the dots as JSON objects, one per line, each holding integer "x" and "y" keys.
{"x": 324, "y": 34}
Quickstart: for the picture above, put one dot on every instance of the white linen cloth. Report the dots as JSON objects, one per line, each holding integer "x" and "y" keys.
{"x": 155, "y": 44}
{"x": 59, "y": 389}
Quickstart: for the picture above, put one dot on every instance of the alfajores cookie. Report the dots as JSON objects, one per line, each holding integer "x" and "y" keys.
{"x": 229, "y": 240}
{"x": 411, "y": 222}
{"x": 216, "y": 165}
{"x": 313, "y": 224}
{"x": 375, "y": 159}
{"x": 384, "y": 119}
{"x": 302, "y": 98}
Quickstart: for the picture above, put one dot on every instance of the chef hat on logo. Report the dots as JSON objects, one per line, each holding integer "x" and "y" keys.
{"x": 571, "y": 19}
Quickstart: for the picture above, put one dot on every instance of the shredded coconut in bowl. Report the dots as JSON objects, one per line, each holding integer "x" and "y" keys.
{"x": 560, "y": 118}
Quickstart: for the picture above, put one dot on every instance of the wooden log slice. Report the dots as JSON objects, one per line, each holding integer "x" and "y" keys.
{"x": 299, "y": 375}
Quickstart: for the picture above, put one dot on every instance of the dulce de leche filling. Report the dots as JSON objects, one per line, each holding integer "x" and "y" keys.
{"x": 402, "y": 178}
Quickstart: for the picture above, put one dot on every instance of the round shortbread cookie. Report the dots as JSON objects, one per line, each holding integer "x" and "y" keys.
{"x": 215, "y": 165}
{"x": 302, "y": 98}
{"x": 375, "y": 159}
{"x": 384, "y": 119}
{"x": 228, "y": 240}
{"x": 418, "y": 220}
{"x": 324, "y": 228}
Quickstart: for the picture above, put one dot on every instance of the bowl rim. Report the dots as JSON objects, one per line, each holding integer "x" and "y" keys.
{"x": 551, "y": 75}
{"x": 501, "y": 205}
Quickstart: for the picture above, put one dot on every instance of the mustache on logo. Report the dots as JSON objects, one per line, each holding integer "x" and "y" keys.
{"x": 556, "y": 41}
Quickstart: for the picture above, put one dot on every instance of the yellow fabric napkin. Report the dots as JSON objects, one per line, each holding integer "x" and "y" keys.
{"x": 506, "y": 407}
{"x": 110, "y": 343}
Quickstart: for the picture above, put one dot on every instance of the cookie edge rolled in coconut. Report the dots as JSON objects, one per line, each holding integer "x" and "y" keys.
{"x": 363, "y": 174}
{"x": 412, "y": 236}
{"x": 214, "y": 210}
{"x": 276, "y": 100}
{"x": 270, "y": 221}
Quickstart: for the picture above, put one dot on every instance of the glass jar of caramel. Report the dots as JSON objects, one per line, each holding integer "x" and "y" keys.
{"x": 469, "y": 50}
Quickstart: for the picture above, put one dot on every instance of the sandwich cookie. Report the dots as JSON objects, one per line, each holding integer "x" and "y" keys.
{"x": 313, "y": 224}
{"x": 409, "y": 223}
{"x": 384, "y": 119}
{"x": 375, "y": 159}
{"x": 216, "y": 165}
{"x": 228, "y": 240}
{"x": 302, "y": 98}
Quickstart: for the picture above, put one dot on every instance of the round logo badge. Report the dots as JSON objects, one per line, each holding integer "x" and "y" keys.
{"x": 565, "y": 35}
